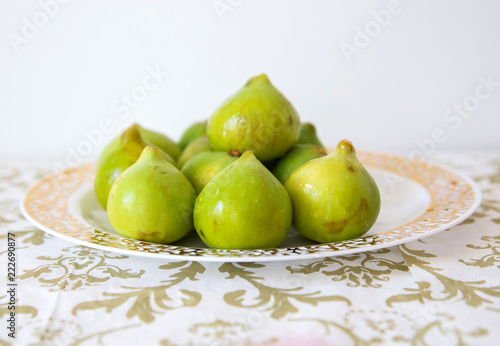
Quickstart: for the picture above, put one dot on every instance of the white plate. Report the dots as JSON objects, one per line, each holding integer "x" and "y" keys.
{"x": 418, "y": 199}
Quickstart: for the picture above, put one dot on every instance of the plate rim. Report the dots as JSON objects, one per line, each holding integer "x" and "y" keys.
{"x": 477, "y": 193}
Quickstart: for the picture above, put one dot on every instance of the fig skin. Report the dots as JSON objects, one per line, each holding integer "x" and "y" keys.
{"x": 119, "y": 155}
{"x": 308, "y": 135}
{"x": 296, "y": 157}
{"x": 202, "y": 167}
{"x": 334, "y": 198}
{"x": 192, "y": 133}
{"x": 258, "y": 118}
{"x": 161, "y": 141}
{"x": 243, "y": 207}
{"x": 199, "y": 145}
{"x": 152, "y": 200}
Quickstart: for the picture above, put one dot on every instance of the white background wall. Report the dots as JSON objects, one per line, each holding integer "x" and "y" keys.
{"x": 64, "y": 75}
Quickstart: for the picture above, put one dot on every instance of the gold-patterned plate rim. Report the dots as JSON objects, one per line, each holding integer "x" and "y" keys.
{"x": 454, "y": 197}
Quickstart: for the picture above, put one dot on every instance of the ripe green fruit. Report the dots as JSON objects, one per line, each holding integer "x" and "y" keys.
{"x": 296, "y": 157}
{"x": 193, "y": 132}
{"x": 197, "y": 146}
{"x": 119, "y": 155}
{"x": 161, "y": 141}
{"x": 202, "y": 167}
{"x": 308, "y": 135}
{"x": 243, "y": 207}
{"x": 152, "y": 200}
{"x": 258, "y": 118}
{"x": 334, "y": 197}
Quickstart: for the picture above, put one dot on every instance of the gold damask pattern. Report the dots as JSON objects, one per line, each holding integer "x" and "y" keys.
{"x": 492, "y": 244}
{"x": 376, "y": 324}
{"x": 473, "y": 293}
{"x": 76, "y": 268}
{"x": 452, "y": 194}
{"x": 278, "y": 300}
{"x": 142, "y": 296}
{"x": 371, "y": 272}
{"x": 232, "y": 333}
{"x": 20, "y": 309}
{"x": 34, "y": 237}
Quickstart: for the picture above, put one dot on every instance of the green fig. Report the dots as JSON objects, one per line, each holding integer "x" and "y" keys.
{"x": 152, "y": 200}
{"x": 161, "y": 141}
{"x": 296, "y": 157}
{"x": 193, "y": 132}
{"x": 334, "y": 198}
{"x": 119, "y": 155}
{"x": 243, "y": 207}
{"x": 202, "y": 167}
{"x": 308, "y": 135}
{"x": 197, "y": 146}
{"x": 258, "y": 118}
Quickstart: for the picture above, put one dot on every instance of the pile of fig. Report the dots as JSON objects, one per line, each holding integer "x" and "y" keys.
{"x": 241, "y": 179}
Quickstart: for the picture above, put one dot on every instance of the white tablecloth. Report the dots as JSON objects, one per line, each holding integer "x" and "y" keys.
{"x": 442, "y": 290}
